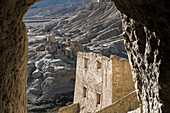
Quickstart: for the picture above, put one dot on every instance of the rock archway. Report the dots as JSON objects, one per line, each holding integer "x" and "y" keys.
{"x": 146, "y": 39}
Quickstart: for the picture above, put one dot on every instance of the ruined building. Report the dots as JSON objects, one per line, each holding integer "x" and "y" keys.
{"x": 147, "y": 40}
{"x": 100, "y": 81}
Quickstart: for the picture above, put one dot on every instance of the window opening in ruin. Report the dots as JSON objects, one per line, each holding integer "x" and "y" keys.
{"x": 98, "y": 98}
{"x": 84, "y": 91}
{"x": 98, "y": 65}
{"x": 85, "y": 62}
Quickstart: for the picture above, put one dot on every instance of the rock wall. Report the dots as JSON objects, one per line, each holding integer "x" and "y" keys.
{"x": 74, "y": 108}
{"x": 13, "y": 55}
{"x": 146, "y": 33}
{"x": 128, "y": 103}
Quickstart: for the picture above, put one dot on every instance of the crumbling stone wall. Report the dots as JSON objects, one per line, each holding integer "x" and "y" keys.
{"x": 128, "y": 103}
{"x": 100, "y": 81}
{"x": 147, "y": 39}
{"x": 91, "y": 77}
{"x": 122, "y": 78}
{"x": 74, "y": 108}
{"x": 13, "y": 55}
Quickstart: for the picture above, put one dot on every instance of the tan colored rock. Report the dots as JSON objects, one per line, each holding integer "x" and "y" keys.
{"x": 13, "y": 56}
{"x": 37, "y": 74}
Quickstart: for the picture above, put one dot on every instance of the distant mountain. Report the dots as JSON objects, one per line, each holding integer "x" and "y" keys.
{"x": 46, "y": 3}
{"x": 59, "y": 10}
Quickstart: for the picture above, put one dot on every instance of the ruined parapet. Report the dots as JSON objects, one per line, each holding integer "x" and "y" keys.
{"x": 74, "y": 108}
{"x": 127, "y": 103}
{"x": 100, "y": 81}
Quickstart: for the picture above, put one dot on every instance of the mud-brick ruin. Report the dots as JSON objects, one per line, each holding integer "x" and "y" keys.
{"x": 147, "y": 40}
{"x": 101, "y": 81}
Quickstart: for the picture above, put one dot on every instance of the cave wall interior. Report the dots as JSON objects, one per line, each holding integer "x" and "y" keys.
{"x": 145, "y": 73}
{"x": 13, "y": 55}
{"x": 146, "y": 38}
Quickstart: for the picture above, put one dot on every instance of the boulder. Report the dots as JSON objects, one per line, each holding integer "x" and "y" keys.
{"x": 40, "y": 47}
{"x": 50, "y": 49}
{"x": 37, "y": 74}
{"x": 30, "y": 68}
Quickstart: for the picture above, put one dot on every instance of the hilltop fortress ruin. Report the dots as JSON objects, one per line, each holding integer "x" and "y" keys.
{"x": 101, "y": 82}
{"x": 146, "y": 26}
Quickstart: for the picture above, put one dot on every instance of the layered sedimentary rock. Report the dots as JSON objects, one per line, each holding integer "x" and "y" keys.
{"x": 146, "y": 33}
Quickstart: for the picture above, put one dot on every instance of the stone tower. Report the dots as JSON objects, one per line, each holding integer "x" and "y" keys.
{"x": 101, "y": 81}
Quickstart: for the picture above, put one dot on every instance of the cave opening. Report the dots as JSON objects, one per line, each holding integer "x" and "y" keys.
{"x": 14, "y": 51}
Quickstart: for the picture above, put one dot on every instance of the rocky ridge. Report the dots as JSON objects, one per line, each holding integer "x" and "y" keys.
{"x": 55, "y": 11}
{"x": 99, "y": 27}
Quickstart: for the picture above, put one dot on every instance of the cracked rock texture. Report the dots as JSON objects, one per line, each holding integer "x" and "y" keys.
{"x": 146, "y": 33}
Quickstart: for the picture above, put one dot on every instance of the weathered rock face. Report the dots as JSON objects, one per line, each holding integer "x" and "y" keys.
{"x": 13, "y": 56}
{"x": 146, "y": 32}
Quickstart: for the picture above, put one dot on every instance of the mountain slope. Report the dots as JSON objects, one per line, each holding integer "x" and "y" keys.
{"x": 46, "y": 3}
{"x": 51, "y": 68}
{"x": 97, "y": 27}
{"x": 56, "y": 11}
